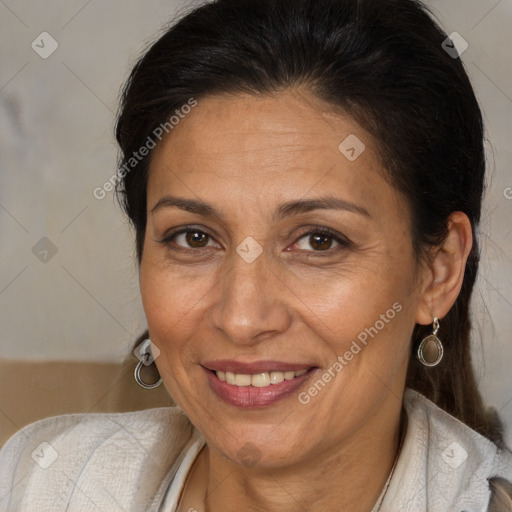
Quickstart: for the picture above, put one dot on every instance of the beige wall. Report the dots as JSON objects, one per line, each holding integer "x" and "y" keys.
{"x": 56, "y": 146}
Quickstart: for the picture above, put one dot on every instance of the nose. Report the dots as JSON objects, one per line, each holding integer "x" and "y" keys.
{"x": 251, "y": 304}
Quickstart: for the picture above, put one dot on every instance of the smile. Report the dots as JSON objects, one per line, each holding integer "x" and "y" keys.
{"x": 256, "y": 385}
{"x": 258, "y": 380}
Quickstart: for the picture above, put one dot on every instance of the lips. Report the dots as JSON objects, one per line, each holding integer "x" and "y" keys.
{"x": 257, "y": 384}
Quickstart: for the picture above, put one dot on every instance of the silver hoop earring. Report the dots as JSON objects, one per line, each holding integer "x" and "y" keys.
{"x": 140, "y": 382}
{"x": 430, "y": 351}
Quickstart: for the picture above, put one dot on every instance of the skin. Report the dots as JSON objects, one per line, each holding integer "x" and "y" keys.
{"x": 299, "y": 301}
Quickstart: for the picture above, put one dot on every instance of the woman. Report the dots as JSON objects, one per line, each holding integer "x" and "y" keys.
{"x": 305, "y": 180}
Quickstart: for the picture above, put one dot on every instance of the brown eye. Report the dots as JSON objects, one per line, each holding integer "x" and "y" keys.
{"x": 320, "y": 241}
{"x": 196, "y": 238}
{"x": 187, "y": 240}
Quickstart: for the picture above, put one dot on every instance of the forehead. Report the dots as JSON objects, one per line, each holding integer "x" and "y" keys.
{"x": 231, "y": 125}
{"x": 260, "y": 148}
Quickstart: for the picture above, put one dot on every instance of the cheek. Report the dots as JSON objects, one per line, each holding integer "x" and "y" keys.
{"x": 160, "y": 302}
{"x": 367, "y": 317}
{"x": 355, "y": 296}
{"x": 166, "y": 293}
{"x": 172, "y": 302}
{"x": 165, "y": 310}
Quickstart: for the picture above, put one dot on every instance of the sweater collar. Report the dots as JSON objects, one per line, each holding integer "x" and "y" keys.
{"x": 443, "y": 465}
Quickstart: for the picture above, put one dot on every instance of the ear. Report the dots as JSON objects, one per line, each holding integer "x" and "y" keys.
{"x": 444, "y": 276}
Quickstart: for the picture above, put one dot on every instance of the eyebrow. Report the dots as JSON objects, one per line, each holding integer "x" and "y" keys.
{"x": 296, "y": 207}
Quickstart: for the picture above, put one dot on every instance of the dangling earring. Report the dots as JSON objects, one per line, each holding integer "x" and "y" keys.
{"x": 139, "y": 380}
{"x": 145, "y": 356}
{"x": 430, "y": 351}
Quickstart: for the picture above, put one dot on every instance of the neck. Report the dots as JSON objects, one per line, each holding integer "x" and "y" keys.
{"x": 349, "y": 477}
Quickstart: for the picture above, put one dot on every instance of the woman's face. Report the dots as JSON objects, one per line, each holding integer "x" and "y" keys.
{"x": 256, "y": 289}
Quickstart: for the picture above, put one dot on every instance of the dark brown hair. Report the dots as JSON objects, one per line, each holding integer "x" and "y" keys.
{"x": 382, "y": 62}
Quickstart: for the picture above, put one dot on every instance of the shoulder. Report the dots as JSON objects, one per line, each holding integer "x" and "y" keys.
{"x": 116, "y": 459}
{"x": 456, "y": 460}
{"x": 442, "y": 427}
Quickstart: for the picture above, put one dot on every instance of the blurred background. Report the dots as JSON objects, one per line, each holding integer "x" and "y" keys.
{"x": 68, "y": 276}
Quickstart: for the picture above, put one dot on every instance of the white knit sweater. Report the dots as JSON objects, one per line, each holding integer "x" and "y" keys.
{"x": 138, "y": 461}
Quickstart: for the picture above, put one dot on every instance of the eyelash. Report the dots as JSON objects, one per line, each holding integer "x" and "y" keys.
{"x": 344, "y": 243}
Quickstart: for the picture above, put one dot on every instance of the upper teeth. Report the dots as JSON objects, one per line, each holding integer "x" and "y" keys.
{"x": 258, "y": 380}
